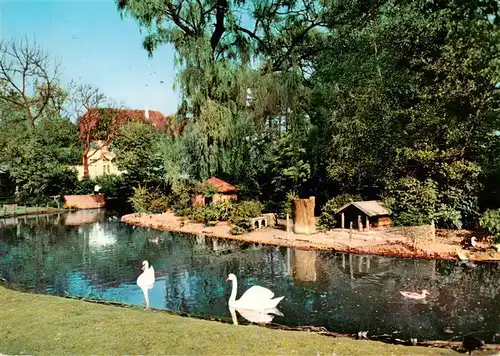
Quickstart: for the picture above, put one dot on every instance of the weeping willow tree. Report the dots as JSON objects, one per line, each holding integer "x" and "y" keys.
{"x": 240, "y": 69}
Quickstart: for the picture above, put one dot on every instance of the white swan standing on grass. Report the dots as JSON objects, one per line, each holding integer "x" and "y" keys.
{"x": 255, "y": 298}
{"x": 146, "y": 280}
{"x": 413, "y": 295}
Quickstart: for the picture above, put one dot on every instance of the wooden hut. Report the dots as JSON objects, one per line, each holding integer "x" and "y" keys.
{"x": 364, "y": 214}
{"x": 225, "y": 191}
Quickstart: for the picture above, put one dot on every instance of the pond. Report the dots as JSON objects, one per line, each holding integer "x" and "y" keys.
{"x": 92, "y": 254}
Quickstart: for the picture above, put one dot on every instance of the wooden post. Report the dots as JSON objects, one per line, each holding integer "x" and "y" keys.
{"x": 360, "y": 224}
{"x": 350, "y": 233}
{"x": 304, "y": 221}
{"x": 367, "y": 224}
{"x": 342, "y": 217}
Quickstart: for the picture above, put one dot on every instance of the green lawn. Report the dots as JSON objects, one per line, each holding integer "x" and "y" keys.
{"x": 38, "y": 324}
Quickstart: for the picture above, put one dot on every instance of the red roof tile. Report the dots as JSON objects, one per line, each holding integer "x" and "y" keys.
{"x": 162, "y": 123}
{"x": 222, "y": 187}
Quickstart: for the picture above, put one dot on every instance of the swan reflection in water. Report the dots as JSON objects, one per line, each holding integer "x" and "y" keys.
{"x": 255, "y": 316}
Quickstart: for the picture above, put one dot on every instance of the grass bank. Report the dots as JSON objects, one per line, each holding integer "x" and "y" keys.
{"x": 28, "y": 210}
{"x": 43, "y": 325}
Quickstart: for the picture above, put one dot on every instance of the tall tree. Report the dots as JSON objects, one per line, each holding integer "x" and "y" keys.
{"x": 31, "y": 79}
{"x": 415, "y": 95}
{"x": 223, "y": 29}
{"x": 136, "y": 146}
{"x": 228, "y": 53}
{"x": 97, "y": 118}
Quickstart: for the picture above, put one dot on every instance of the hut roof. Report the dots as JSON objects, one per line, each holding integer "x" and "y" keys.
{"x": 222, "y": 187}
{"x": 370, "y": 207}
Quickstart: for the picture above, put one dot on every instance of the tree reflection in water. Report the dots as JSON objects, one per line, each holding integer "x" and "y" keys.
{"x": 344, "y": 293}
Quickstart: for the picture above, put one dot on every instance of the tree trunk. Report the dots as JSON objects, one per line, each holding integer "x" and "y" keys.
{"x": 304, "y": 221}
{"x": 85, "y": 158}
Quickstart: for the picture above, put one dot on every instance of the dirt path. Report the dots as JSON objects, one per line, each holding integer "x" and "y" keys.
{"x": 373, "y": 242}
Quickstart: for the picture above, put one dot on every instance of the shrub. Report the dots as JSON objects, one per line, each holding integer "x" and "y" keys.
{"x": 140, "y": 199}
{"x": 144, "y": 201}
{"x": 244, "y": 223}
{"x": 246, "y": 209}
{"x": 223, "y": 210}
{"x": 241, "y": 215}
{"x": 180, "y": 197}
{"x": 214, "y": 212}
{"x": 159, "y": 203}
{"x": 238, "y": 230}
{"x": 197, "y": 213}
{"x": 411, "y": 201}
{"x": 63, "y": 181}
{"x": 491, "y": 221}
{"x": 286, "y": 207}
{"x": 326, "y": 220}
{"x": 448, "y": 217}
{"x": 85, "y": 186}
{"x": 183, "y": 211}
{"x": 110, "y": 184}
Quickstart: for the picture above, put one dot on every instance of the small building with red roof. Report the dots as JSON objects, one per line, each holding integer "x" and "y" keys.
{"x": 223, "y": 192}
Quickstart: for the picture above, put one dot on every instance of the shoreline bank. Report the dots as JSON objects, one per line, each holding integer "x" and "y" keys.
{"x": 371, "y": 243}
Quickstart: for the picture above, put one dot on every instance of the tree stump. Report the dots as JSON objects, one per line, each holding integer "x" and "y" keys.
{"x": 304, "y": 221}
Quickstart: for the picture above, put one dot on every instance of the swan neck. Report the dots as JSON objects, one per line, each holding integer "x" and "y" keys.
{"x": 232, "y": 298}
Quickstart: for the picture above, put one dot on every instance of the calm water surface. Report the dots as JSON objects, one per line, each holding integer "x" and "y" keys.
{"x": 91, "y": 254}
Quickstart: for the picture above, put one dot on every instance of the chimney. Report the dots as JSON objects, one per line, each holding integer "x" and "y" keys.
{"x": 146, "y": 113}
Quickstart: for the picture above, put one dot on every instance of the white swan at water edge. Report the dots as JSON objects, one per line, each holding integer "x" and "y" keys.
{"x": 413, "y": 295}
{"x": 255, "y": 298}
{"x": 146, "y": 280}
{"x": 255, "y": 316}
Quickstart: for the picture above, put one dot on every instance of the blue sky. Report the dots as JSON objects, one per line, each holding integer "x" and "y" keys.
{"x": 95, "y": 46}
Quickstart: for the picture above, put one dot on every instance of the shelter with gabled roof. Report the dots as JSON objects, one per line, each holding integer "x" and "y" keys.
{"x": 224, "y": 192}
{"x": 364, "y": 214}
